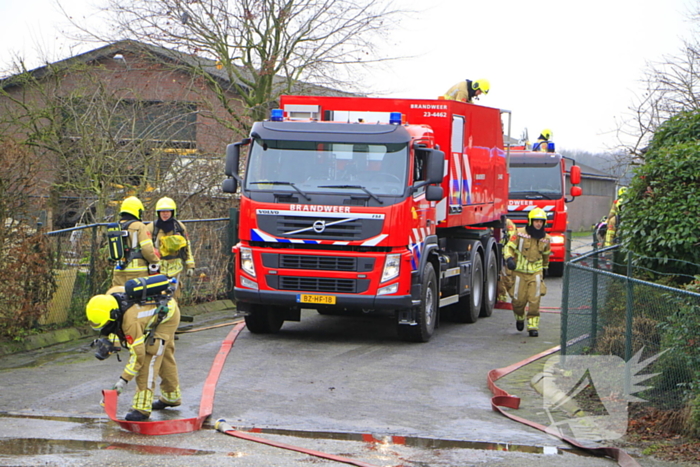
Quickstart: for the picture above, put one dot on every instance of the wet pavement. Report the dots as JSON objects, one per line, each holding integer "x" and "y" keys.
{"x": 342, "y": 385}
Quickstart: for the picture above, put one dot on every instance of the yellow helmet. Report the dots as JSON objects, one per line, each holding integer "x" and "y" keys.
{"x": 621, "y": 192}
{"x": 166, "y": 204}
{"x": 99, "y": 310}
{"x": 132, "y": 205}
{"x": 536, "y": 214}
{"x": 481, "y": 85}
{"x": 547, "y": 134}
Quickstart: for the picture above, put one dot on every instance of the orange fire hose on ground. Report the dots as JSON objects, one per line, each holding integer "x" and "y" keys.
{"x": 502, "y": 399}
{"x": 186, "y": 425}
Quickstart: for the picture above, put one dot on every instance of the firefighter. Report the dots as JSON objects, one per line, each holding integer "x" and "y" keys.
{"x": 467, "y": 90}
{"x": 139, "y": 249}
{"x": 150, "y": 338}
{"x": 613, "y": 219}
{"x": 171, "y": 241}
{"x": 527, "y": 255}
{"x": 505, "y": 279}
{"x": 544, "y": 143}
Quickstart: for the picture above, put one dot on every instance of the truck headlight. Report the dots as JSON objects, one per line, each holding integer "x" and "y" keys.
{"x": 557, "y": 240}
{"x": 247, "y": 261}
{"x": 392, "y": 266}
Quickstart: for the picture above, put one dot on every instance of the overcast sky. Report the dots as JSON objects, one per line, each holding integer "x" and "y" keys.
{"x": 571, "y": 66}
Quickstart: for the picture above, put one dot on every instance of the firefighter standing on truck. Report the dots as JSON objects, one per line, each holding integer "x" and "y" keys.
{"x": 171, "y": 240}
{"x": 150, "y": 338}
{"x": 527, "y": 255}
{"x": 139, "y": 252}
{"x": 467, "y": 90}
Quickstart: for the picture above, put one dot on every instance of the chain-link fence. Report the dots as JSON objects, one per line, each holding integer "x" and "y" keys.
{"x": 609, "y": 308}
{"x": 82, "y": 268}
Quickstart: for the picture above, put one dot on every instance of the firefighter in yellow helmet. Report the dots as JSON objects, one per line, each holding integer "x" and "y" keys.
{"x": 467, "y": 90}
{"x": 138, "y": 245}
{"x": 613, "y": 219}
{"x": 505, "y": 279}
{"x": 147, "y": 329}
{"x": 171, "y": 240}
{"x": 544, "y": 142}
{"x": 527, "y": 255}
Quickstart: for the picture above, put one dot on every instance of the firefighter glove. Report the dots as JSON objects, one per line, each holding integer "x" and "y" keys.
{"x": 190, "y": 272}
{"x": 510, "y": 262}
{"x": 120, "y": 385}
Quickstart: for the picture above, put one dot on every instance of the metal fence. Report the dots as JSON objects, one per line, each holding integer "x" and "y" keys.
{"x": 607, "y": 309}
{"x": 82, "y": 268}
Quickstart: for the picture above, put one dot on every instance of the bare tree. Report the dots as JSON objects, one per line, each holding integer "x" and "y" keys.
{"x": 99, "y": 142}
{"x": 263, "y": 48}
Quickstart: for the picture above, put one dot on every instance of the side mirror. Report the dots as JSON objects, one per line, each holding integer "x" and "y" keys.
{"x": 576, "y": 191}
{"x": 233, "y": 152}
{"x": 433, "y": 193}
{"x": 575, "y": 175}
{"x": 435, "y": 169}
{"x": 230, "y": 185}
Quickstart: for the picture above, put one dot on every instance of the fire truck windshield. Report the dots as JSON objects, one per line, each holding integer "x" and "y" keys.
{"x": 533, "y": 182}
{"x": 315, "y": 167}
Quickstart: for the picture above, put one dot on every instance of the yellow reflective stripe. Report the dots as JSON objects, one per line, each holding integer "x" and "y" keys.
{"x": 131, "y": 365}
{"x": 171, "y": 397}
{"x": 143, "y": 401}
{"x": 145, "y": 313}
{"x": 146, "y": 242}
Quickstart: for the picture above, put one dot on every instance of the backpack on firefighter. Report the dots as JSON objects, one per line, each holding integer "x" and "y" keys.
{"x": 121, "y": 250}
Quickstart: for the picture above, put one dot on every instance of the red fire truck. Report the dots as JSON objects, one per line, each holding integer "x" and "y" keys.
{"x": 354, "y": 203}
{"x": 537, "y": 180}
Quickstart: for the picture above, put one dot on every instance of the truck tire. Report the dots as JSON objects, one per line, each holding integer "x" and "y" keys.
{"x": 427, "y": 311}
{"x": 263, "y": 320}
{"x": 555, "y": 270}
{"x": 490, "y": 284}
{"x": 468, "y": 309}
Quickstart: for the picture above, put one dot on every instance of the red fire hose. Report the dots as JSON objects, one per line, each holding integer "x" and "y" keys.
{"x": 185, "y": 425}
{"x": 501, "y": 399}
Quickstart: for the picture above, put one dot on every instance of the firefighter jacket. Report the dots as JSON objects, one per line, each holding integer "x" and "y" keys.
{"x": 531, "y": 255}
{"x": 612, "y": 221}
{"x": 459, "y": 92}
{"x": 142, "y": 253}
{"x": 175, "y": 253}
{"x": 139, "y": 324}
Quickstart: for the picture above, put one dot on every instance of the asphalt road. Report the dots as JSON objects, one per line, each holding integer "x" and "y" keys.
{"x": 320, "y": 383}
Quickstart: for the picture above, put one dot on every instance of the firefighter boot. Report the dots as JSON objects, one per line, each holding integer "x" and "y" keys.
{"x": 160, "y": 405}
{"x": 519, "y": 322}
{"x": 533, "y": 325}
{"x": 136, "y": 416}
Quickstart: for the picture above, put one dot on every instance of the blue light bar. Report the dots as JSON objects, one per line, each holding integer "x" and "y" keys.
{"x": 395, "y": 118}
{"x": 277, "y": 115}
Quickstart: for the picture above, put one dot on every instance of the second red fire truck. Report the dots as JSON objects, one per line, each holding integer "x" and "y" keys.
{"x": 538, "y": 180}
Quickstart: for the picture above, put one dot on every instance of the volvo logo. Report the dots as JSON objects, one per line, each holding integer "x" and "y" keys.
{"x": 319, "y": 226}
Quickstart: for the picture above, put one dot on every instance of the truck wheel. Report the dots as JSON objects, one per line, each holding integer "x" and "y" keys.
{"x": 555, "y": 269}
{"x": 490, "y": 285}
{"x": 468, "y": 308}
{"x": 261, "y": 320}
{"x": 427, "y": 311}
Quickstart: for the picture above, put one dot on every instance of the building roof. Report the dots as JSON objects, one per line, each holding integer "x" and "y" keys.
{"x": 187, "y": 61}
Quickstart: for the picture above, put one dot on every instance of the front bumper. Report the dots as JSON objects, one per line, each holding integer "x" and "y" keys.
{"x": 290, "y": 299}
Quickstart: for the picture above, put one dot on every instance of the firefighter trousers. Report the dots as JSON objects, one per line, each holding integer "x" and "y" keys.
{"x": 527, "y": 291}
{"x": 159, "y": 362}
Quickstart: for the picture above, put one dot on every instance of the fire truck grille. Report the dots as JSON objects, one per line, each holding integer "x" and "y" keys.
{"x": 314, "y": 284}
{"x": 320, "y": 228}
{"x": 323, "y": 263}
